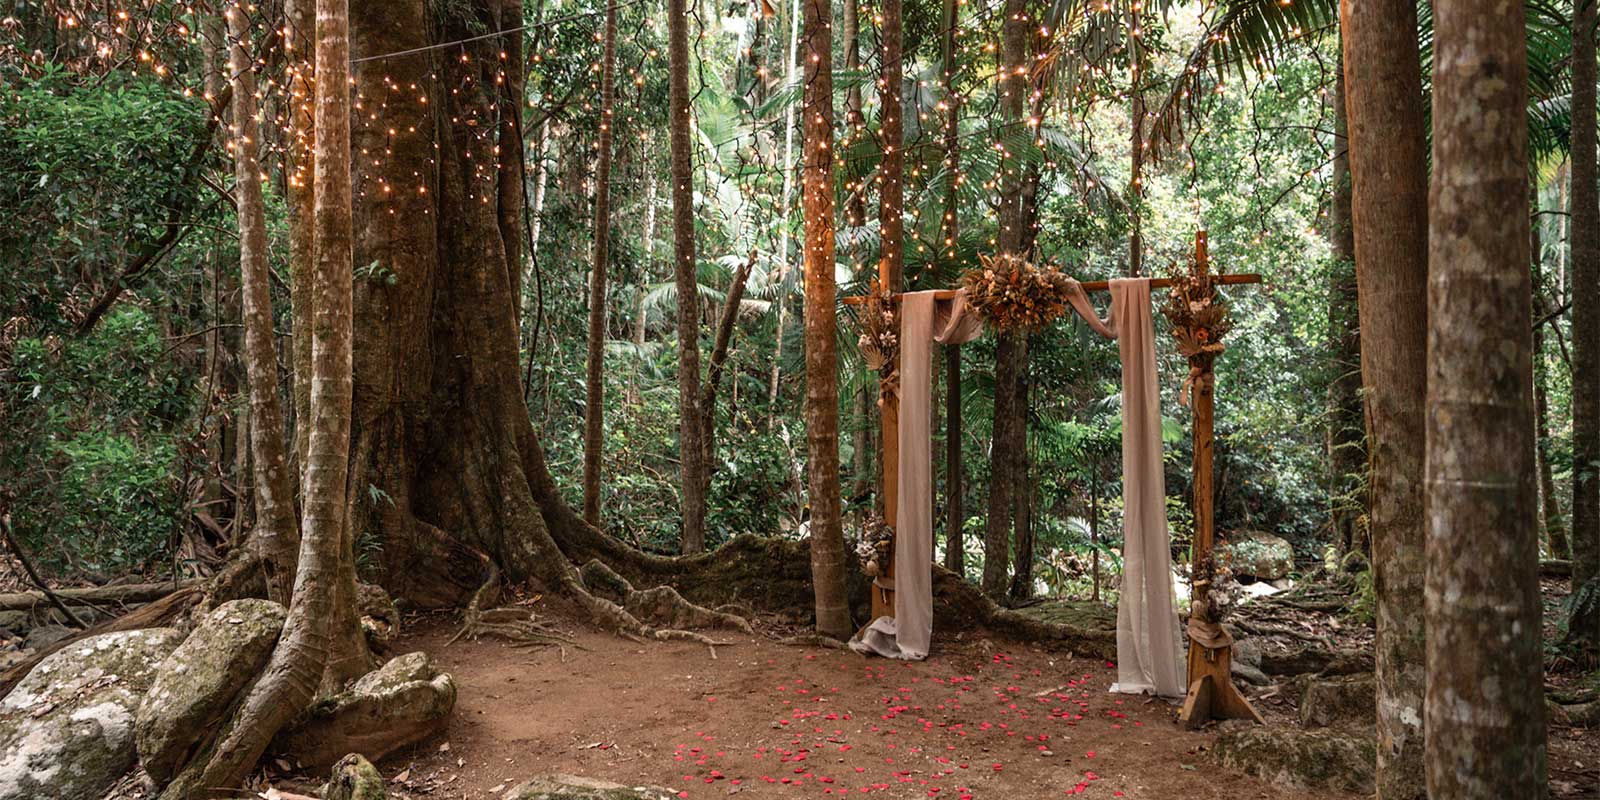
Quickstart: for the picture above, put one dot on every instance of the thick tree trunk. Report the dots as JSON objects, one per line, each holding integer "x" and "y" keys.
{"x": 822, "y": 359}
{"x": 594, "y": 401}
{"x": 1585, "y": 242}
{"x": 290, "y": 681}
{"x": 277, "y": 532}
{"x": 690, "y": 446}
{"x": 1347, "y": 455}
{"x": 1485, "y": 712}
{"x": 1013, "y": 87}
{"x": 1388, "y": 163}
{"x": 855, "y": 120}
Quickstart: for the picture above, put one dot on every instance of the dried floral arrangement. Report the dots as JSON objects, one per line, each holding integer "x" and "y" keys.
{"x": 874, "y": 549}
{"x": 1198, "y": 313}
{"x": 880, "y": 335}
{"x": 1011, "y": 293}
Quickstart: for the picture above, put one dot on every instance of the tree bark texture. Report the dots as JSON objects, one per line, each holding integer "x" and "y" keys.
{"x": 300, "y": 24}
{"x": 292, "y": 676}
{"x": 1013, "y": 88}
{"x": 1485, "y": 711}
{"x": 690, "y": 446}
{"x": 1584, "y": 231}
{"x": 1347, "y": 456}
{"x": 822, "y": 358}
{"x": 594, "y": 400}
{"x": 1388, "y": 163}
{"x": 277, "y": 531}
{"x": 892, "y": 167}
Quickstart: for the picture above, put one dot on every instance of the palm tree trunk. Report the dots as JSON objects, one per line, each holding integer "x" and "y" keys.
{"x": 690, "y": 446}
{"x": 949, "y": 234}
{"x": 892, "y": 167}
{"x": 822, "y": 358}
{"x": 277, "y": 532}
{"x": 1485, "y": 702}
{"x": 594, "y": 400}
{"x": 1388, "y": 162}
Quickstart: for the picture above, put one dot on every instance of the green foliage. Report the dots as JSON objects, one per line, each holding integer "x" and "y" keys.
{"x": 93, "y": 445}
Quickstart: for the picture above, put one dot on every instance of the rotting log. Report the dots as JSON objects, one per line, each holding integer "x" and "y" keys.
{"x": 125, "y": 594}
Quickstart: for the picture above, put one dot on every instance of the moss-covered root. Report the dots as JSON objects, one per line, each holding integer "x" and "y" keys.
{"x": 354, "y": 778}
{"x": 662, "y": 606}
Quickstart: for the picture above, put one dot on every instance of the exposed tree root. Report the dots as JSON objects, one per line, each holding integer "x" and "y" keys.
{"x": 519, "y": 626}
{"x": 814, "y": 640}
{"x": 661, "y": 605}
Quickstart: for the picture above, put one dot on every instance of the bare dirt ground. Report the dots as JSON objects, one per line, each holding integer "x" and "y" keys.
{"x": 979, "y": 719}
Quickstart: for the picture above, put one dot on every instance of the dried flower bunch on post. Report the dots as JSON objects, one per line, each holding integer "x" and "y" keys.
{"x": 1011, "y": 293}
{"x": 880, "y": 335}
{"x": 876, "y": 546}
{"x": 1198, "y": 312}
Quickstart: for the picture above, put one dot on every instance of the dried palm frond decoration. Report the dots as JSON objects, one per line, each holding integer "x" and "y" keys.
{"x": 880, "y": 335}
{"x": 1199, "y": 317}
{"x": 1010, "y": 293}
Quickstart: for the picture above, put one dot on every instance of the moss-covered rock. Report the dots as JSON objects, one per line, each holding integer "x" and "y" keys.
{"x": 196, "y": 684}
{"x": 571, "y": 787}
{"x": 402, "y": 703}
{"x": 1258, "y": 554}
{"x": 1300, "y": 759}
{"x": 66, "y": 730}
{"x": 354, "y": 778}
{"x": 1351, "y": 699}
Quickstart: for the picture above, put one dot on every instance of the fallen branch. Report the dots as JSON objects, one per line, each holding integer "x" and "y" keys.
{"x": 123, "y": 594}
{"x": 33, "y": 574}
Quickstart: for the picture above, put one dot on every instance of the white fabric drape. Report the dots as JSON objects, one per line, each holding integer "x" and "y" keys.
{"x": 1149, "y": 653}
{"x": 923, "y": 321}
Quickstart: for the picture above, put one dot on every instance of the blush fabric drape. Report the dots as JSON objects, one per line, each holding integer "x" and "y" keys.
{"x": 924, "y": 320}
{"x": 1149, "y": 653}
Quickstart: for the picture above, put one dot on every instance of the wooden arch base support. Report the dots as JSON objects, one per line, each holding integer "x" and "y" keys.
{"x": 1212, "y": 694}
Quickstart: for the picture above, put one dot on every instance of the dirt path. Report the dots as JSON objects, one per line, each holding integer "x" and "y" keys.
{"x": 980, "y": 719}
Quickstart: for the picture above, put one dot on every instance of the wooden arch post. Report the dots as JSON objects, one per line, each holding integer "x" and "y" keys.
{"x": 1212, "y": 694}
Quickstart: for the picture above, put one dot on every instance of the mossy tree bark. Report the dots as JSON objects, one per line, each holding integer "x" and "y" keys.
{"x": 1485, "y": 708}
{"x": 1388, "y": 163}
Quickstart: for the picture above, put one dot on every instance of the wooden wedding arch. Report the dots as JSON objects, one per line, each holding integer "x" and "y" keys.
{"x": 1211, "y": 691}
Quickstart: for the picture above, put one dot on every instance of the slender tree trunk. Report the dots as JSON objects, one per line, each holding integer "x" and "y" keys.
{"x": 1022, "y": 567}
{"x": 300, "y": 31}
{"x": 1555, "y": 526}
{"x": 950, "y": 234}
{"x": 855, "y": 120}
{"x": 822, "y": 358}
{"x": 1585, "y": 243}
{"x": 541, "y": 181}
{"x": 892, "y": 167}
{"x": 690, "y": 446}
{"x": 955, "y": 557}
{"x": 641, "y": 319}
{"x": 289, "y": 683}
{"x": 594, "y": 402}
{"x": 1346, "y": 440}
{"x": 1485, "y": 708}
{"x": 277, "y": 531}
{"x": 791, "y": 72}
{"x": 1388, "y": 163}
